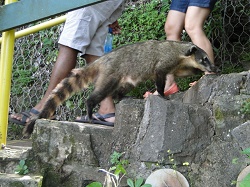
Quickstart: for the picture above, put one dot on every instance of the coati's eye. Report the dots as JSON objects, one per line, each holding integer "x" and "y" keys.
{"x": 205, "y": 60}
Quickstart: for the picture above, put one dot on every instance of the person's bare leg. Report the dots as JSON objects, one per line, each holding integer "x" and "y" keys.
{"x": 173, "y": 28}
{"x": 174, "y": 25}
{"x": 65, "y": 62}
{"x": 195, "y": 29}
{"x": 106, "y": 105}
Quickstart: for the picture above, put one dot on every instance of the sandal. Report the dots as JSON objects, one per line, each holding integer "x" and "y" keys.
{"x": 26, "y": 114}
{"x": 172, "y": 89}
{"x": 97, "y": 119}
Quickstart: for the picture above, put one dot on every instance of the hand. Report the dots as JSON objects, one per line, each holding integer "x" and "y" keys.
{"x": 115, "y": 27}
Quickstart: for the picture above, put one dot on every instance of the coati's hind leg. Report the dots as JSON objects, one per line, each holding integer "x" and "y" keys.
{"x": 160, "y": 82}
{"x": 102, "y": 89}
{"x": 120, "y": 93}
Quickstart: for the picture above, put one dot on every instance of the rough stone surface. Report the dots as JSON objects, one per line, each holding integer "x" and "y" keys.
{"x": 203, "y": 127}
{"x": 210, "y": 87}
{"x": 242, "y": 135}
{"x": 129, "y": 113}
{"x": 71, "y": 151}
{"x": 163, "y": 131}
{"x": 213, "y": 165}
{"x": 13, "y": 180}
{"x": 10, "y": 157}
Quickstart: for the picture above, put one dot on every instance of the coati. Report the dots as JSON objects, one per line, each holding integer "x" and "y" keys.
{"x": 117, "y": 72}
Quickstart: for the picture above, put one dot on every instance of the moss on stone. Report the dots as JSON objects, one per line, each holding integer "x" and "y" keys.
{"x": 17, "y": 184}
{"x": 219, "y": 115}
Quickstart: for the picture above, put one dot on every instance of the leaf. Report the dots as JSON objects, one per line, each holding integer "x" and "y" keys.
{"x": 115, "y": 157}
{"x": 130, "y": 183}
{"x": 246, "y": 151}
{"x": 26, "y": 171}
{"x": 112, "y": 168}
{"x": 235, "y": 160}
{"x": 123, "y": 170}
{"x": 138, "y": 182}
{"x": 94, "y": 184}
{"x": 69, "y": 104}
{"x": 21, "y": 163}
{"x": 47, "y": 41}
{"x": 120, "y": 168}
{"x": 18, "y": 169}
{"x": 146, "y": 185}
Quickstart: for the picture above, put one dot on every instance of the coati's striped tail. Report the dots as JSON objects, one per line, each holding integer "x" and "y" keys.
{"x": 76, "y": 81}
{"x": 65, "y": 89}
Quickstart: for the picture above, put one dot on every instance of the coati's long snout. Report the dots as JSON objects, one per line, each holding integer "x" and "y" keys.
{"x": 117, "y": 72}
{"x": 194, "y": 62}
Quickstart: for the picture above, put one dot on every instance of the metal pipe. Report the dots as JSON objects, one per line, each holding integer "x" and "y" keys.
{"x": 6, "y": 60}
{"x": 39, "y": 27}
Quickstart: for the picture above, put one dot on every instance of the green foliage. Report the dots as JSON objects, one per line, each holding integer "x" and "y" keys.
{"x": 22, "y": 77}
{"x": 245, "y": 56}
{"x": 137, "y": 183}
{"x": 14, "y": 132}
{"x": 118, "y": 164}
{"x": 246, "y": 107}
{"x": 143, "y": 22}
{"x": 246, "y": 181}
{"x": 22, "y": 169}
{"x": 115, "y": 159}
{"x": 41, "y": 49}
{"x": 246, "y": 152}
{"x": 95, "y": 184}
{"x": 230, "y": 68}
{"x": 118, "y": 167}
{"x": 235, "y": 160}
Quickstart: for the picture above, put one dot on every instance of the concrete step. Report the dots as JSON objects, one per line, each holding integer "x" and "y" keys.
{"x": 10, "y": 157}
{"x": 11, "y": 180}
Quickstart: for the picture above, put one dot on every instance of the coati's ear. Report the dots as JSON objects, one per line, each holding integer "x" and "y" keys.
{"x": 191, "y": 50}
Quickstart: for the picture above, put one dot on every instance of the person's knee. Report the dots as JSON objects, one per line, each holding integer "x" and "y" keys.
{"x": 192, "y": 29}
{"x": 172, "y": 33}
{"x": 169, "y": 29}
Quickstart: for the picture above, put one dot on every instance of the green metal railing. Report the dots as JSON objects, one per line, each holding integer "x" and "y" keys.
{"x": 14, "y": 14}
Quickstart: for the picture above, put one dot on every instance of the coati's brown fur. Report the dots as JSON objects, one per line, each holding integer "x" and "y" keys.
{"x": 116, "y": 73}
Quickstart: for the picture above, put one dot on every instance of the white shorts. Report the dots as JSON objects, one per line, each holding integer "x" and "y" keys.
{"x": 85, "y": 29}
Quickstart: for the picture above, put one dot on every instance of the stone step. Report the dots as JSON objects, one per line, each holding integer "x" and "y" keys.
{"x": 10, "y": 180}
{"x": 10, "y": 157}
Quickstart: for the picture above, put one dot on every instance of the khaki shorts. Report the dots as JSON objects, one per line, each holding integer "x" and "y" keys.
{"x": 85, "y": 29}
